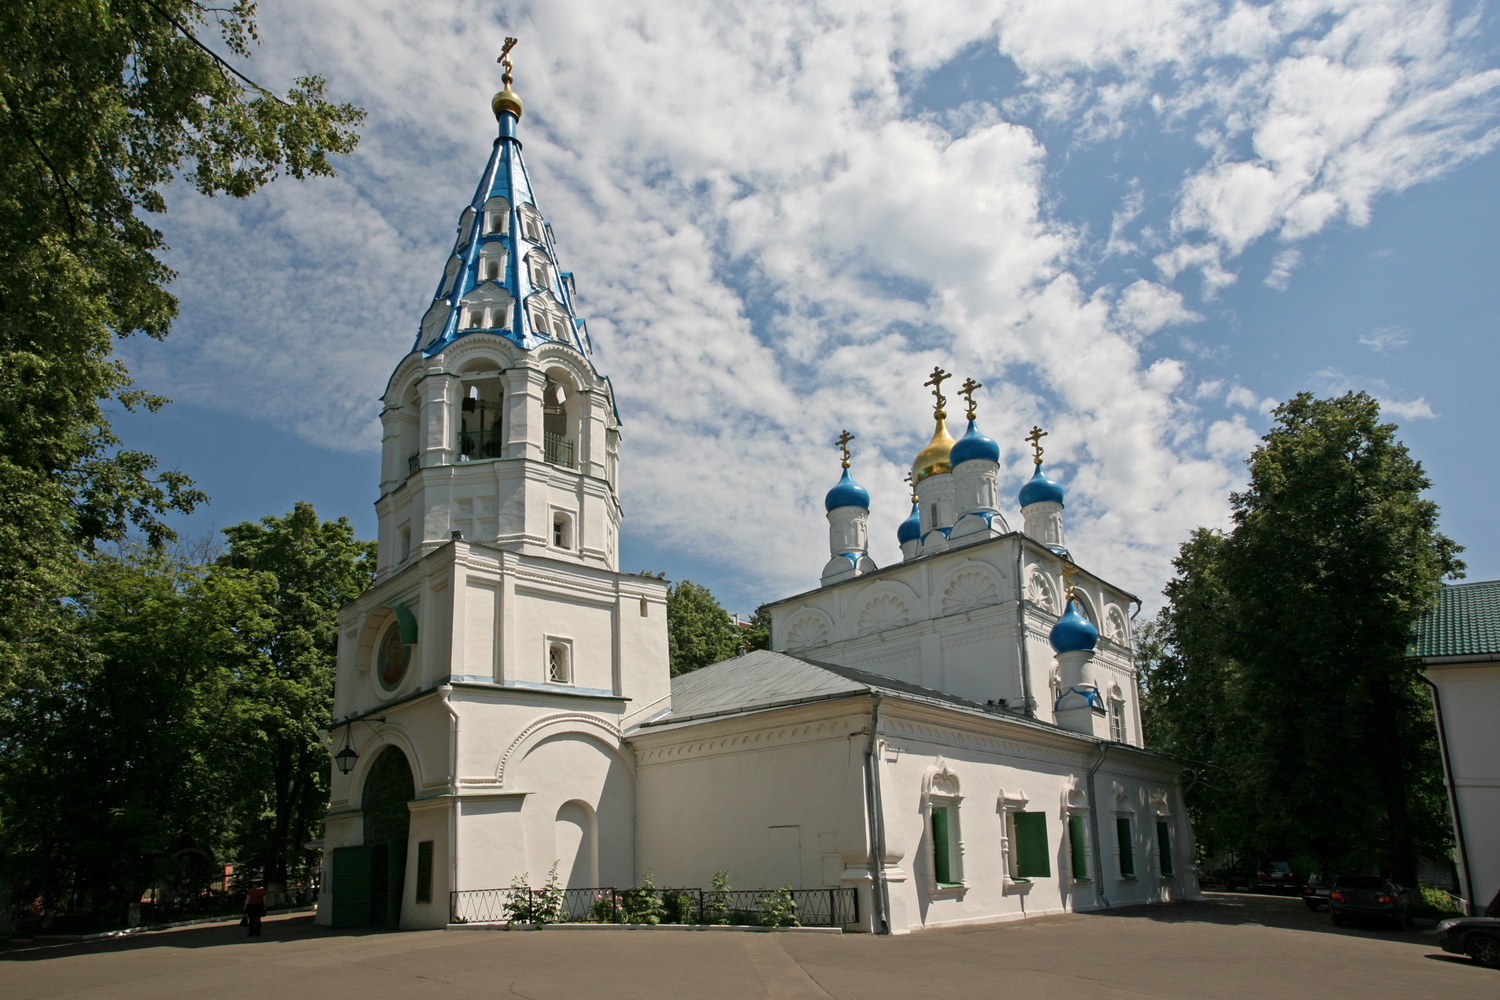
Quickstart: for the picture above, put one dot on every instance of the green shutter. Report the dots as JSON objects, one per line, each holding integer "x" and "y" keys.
{"x": 1127, "y": 849}
{"x": 1164, "y": 845}
{"x": 941, "y": 870}
{"x": 1033, "y": 859}
{"x": 1079, "y": 846}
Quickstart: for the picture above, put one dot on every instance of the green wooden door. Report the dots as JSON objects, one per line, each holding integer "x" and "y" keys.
{"x": 353, "y": 886}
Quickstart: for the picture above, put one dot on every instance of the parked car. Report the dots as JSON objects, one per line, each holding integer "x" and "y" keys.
{"x": 1274, "y": 876}
{"x": 1257, "y": 876}
{"x": 1477, "y": 937}
{"x": 1316, "y": 889}
{"x": 1369, "y": 897}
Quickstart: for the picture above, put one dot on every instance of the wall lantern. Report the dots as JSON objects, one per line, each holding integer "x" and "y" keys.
{"x": 346, "y": 758}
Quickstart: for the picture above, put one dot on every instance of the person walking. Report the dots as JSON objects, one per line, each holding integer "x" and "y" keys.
{"x": 255, "y": 908}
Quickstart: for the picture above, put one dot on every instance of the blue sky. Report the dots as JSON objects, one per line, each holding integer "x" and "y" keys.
{"x": 1140, "y": 225}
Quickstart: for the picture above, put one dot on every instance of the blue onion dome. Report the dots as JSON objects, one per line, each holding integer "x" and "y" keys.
{"x": 910, "y": 529}
{"x": 847, "y": 493}
{"x": 974, "y": 444}
{"x": 1040, "y": 488}
{"x": 1073, "y": 632}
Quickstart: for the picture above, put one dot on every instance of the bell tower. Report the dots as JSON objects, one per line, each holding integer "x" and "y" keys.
{"x": 497, "y": 427}
{"x": 500, "y": 658}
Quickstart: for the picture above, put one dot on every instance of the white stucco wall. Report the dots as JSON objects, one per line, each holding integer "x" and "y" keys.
{"x": 1470, "y": 694}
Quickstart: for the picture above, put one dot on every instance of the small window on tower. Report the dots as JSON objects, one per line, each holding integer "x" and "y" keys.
{"x": 562, "y": 530}
{"x": 476, "y": 318}
{"x": 559, "y": 661}
{"x": 531, "y": 224}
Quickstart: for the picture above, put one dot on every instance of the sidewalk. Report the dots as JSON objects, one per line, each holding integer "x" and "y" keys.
{"x": 1228, "y": 947}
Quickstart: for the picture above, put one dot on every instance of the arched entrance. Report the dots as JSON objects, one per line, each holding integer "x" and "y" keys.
{"x": 368, "y": 880}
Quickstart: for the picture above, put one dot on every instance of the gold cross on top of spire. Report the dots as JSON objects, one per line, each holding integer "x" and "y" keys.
{"x": 843, "y": 443}
{"x": 1035, "y": 437}
{"x": 913, "y": 487}
{"x": 1069, "y": 571}
{"x": 967, "y": 392}
{"x": 505, "y": 63}
{"x": 938, "y": 375}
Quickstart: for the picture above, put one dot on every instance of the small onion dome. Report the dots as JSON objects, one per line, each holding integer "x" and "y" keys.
{"x": 847, "y": 493}
{"x": 506, "y": 100}
{"x": 1073, "y": 632}
{"x": 1040, "y": 488}
{"x": 936, "y": 458}
{"x": 910, "y": 529}
{"x": 975, "y": 444}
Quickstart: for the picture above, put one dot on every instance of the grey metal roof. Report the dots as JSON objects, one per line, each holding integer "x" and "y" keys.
{"x": 764, "y": 679}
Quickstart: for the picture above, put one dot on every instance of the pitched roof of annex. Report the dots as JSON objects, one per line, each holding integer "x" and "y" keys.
{"x": 1466, "y": 622}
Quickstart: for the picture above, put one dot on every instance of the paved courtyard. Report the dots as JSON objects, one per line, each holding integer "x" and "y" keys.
{"x": 1231, "y": 946}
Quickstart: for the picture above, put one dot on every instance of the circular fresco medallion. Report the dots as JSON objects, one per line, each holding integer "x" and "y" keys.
{"x": 392, "y": 658}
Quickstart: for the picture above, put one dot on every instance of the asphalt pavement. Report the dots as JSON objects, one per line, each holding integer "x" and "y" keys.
{"x": 1232, "y": 945}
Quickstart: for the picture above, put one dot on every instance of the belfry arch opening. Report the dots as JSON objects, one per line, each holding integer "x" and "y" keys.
{"x": 560, "y": 421}
{"x": 481, "y": 424}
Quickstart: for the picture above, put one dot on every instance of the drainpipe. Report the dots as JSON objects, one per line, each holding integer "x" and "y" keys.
{"x": 1094, "y": 828}
{"x": 879, "y": 894}
{"x": 1025, "y": 657}
{"x": 446, "y": 693}
{"x": 1458, "y": 823}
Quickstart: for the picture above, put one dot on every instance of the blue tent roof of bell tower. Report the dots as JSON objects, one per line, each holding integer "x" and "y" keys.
{"x": 516, "y": 285}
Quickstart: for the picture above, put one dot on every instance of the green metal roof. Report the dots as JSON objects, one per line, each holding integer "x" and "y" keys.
{"x": 1466, "y": 622}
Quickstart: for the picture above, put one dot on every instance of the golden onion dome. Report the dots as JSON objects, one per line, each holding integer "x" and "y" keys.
{"x": 506, "y": 100}
{"x": 934, "y": 459}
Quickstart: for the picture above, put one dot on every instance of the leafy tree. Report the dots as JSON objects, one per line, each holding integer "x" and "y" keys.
{"x": 1282, "y": 659}
{"x": 758, "y": 635}
{"x": 112, "y": 764}
{"x": 699, "y": 631}
{"x": 103, "y": 105}
{"x": 317, "y": 567}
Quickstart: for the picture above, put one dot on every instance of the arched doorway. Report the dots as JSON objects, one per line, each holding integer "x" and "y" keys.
{"x": 368, "y": 880}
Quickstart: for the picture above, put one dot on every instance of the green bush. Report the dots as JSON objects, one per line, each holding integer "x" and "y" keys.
{"x": 778, "y": 907}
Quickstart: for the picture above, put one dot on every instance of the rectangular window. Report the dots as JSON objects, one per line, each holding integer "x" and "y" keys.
{"x": 1164, "y": 845}
{"x": 1078, "y": 848}
{"x": 942, "y": 853}
{"x": 1117, "y": 721}
{"x": 1127, "y": 848}
{"x": 1029, "y": 846}
{"x": 424, "y": 871}
{"x": 559, "y": 663}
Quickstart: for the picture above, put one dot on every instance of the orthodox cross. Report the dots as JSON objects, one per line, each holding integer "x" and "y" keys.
{"x": 937, "y": 390}
{"x": 967, "y": 392}
{"x": 504, "y": 61}
{"x": 913, "y": 487}
{"x": 1035, "y": 437}
{"x": 1069, "y": 571}
{"x": 843, "y": 443}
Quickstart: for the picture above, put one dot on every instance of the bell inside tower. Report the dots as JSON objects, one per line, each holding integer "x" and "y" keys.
{"x": 558, "y": 420}
{"x": 480, "y": 420}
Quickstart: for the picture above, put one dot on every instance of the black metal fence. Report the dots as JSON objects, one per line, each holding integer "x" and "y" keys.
{"x": 611, "y": 905}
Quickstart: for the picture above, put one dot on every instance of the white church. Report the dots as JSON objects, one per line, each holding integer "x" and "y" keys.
{"x": 956, "y": 738}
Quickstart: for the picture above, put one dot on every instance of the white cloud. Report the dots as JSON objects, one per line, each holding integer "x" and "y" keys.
{"x": 1283, "y": 265}
{"x": 772, "y": 241}
{"x": 1385, "y": 338}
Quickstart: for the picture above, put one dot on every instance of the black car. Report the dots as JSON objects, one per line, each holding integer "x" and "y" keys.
{"x": 1274, "y": 876}
{"x": 1369, "y": 897}
{"x": 1477, "y": 937}
{"x": 1315, "y": 891}
{"x": 1257, "y": 876}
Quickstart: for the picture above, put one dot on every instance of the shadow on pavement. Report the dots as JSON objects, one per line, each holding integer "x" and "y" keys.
{"x": 1230, "y": 909}
{"x": 216, "y": 935}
